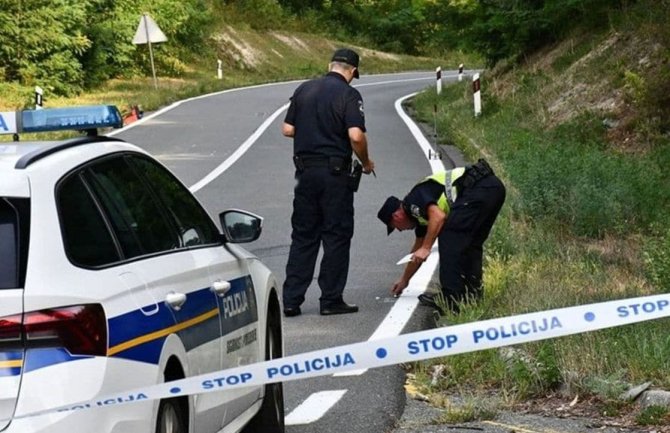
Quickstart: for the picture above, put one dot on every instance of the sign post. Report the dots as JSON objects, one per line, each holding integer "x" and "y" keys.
{"x": 438, "y": 73}
{"x": 148, "y": 32}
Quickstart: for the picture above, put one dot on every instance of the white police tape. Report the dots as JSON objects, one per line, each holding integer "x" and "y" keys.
{"x": 439, "y": 342}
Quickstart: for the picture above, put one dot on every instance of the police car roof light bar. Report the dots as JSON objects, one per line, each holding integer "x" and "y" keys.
{"x": 71, "y": 118}
{"x": 83, "y": 118}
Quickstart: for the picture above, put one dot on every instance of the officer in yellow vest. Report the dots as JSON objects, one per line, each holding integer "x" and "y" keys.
{"x": 458, "y": 207}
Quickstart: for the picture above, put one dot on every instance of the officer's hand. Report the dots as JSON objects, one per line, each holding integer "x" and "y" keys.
{"x": 369, "y": 167}
{"x": 398, "y": 287}
{"x": 420, "y": 255}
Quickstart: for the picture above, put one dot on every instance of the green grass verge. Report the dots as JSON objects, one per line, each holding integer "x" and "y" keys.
{"x": 582, "y": 223}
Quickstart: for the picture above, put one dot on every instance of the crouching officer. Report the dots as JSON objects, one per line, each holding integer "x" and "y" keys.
{"x": 326, "y": 121}
{"x": 458, "y": 207}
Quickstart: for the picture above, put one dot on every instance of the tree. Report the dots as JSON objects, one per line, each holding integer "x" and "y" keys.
{"x": 301, "y": 6}
{"x": 397, "y": 25}
{"x": 41, "y": 41}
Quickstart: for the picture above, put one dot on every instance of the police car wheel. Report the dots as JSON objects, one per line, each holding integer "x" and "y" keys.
{"x": 170, "y": 417}
{"x": 270, "y": 417}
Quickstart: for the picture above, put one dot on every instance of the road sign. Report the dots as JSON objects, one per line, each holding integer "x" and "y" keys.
{"x": 148, "y": 32}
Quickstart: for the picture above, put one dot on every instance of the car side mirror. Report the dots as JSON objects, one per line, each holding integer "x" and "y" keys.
{"x": 240, "y": 226}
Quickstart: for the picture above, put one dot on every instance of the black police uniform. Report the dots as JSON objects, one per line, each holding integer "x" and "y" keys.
{"x": 461, "y": 240}
{"x": 322, "y": 111}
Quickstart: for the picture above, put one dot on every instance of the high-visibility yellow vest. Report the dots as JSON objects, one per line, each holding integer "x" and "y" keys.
{"x": 448, "y": 197}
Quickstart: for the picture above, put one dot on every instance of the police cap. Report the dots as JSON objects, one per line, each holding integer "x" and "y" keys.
{"x": 385, "y": 214}
{"x": 345, "y": 55}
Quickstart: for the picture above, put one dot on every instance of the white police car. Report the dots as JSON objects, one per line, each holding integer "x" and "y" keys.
{"x": 114, "y": 277}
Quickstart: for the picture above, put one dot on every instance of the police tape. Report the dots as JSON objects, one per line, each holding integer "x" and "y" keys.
{"x": 417, "y": 346}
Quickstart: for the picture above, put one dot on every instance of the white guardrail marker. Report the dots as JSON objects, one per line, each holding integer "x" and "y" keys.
{"x": 417, "y": 346}
{"x": 438, "y": 78}
{"x": 477, "y": 94}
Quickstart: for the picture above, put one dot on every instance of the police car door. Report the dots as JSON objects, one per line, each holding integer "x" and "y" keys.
{"x": 226, "y": 278}
{"x": 168, "y": 273}
{"x": 13, "y": 252}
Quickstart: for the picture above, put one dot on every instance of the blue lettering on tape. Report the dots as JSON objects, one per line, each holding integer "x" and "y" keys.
{"x": 232, "y": 380}
{"x": 515, "y": 329}
{"x": 434, "y": 344}
{"x": 128, "y": 399}
{"x": 107, "y": 402}
{"x": 314, "y": 364}
{"x": 643, "y": 308}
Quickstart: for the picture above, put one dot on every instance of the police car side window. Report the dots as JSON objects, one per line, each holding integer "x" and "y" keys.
{"x": 14, "y": 240}
{"x": 9, "y": 248}
{"x": 88, "y": 241}
{"x": 194, "y": 224}
{"x": 134, "y": 212}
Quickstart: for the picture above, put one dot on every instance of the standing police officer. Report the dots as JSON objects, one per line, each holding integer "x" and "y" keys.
{"x": 326, "y": 120}
{"x": 458, "y": 207}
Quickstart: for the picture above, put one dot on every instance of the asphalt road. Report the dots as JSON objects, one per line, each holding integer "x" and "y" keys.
{"x": 228, "y": 149}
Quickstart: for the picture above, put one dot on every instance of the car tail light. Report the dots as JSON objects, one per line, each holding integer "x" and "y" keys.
{"x": 81, "y": 329}
{"x": 10, "y": 330}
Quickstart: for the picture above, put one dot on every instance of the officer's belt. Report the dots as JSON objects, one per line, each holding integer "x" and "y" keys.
{"x": 334, "y": 162}
{"x": 315, "y": 162}
{"x": 474, "y": 174}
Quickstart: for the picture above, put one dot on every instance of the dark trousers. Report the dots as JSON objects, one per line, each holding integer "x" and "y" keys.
{"x": 461, "y": 241}
{"x": 323, "y": 214}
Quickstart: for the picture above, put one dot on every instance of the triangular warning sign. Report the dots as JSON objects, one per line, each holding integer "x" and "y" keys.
{"x": 148, "y": 31}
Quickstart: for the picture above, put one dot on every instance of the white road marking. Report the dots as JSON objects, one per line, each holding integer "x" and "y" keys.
{"x": 393, "y": 81}
{"x": 435, "y": 164}
{"x": 402, "y": 311}
{"x": 257, "y": 133}
{"x": 148, "y": 118}
{"x": 238, "y": 152}
{"x": 314, "y": 407}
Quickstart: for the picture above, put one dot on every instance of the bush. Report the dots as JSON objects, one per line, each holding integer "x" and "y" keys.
{"x": 68, "y": 45}
{"x": 40, "y": 41}
{"x": 16, "y": 96}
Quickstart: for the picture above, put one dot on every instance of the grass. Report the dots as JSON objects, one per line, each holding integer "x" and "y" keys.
{"x": 585, "y": 221}
{"x": 654, "y": 415}
{"x": 541, "y": 256}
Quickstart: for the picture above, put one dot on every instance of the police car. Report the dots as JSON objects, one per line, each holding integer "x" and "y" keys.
{"x": 113, "y": 277}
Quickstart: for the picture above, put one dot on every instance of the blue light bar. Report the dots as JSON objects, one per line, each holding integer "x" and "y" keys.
{"x": 70, "y": 118}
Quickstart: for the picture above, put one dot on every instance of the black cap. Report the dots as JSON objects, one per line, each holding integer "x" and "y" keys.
{"x": 345, "y": 55}
{"x": 385, "y": 214}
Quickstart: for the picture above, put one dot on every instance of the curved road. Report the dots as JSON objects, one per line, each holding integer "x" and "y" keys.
{"x": 228, "y": 149}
